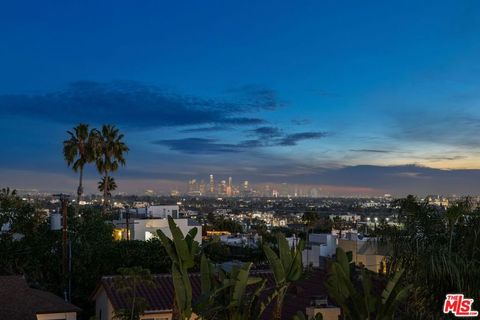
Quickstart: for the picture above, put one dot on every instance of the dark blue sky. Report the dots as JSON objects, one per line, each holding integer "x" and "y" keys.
{"x": 357, "y": 97}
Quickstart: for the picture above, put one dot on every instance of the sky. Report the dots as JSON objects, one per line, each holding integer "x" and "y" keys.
{"x": 355, "y": 97}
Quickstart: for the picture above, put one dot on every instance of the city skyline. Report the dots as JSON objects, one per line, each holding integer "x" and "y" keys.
{"x": 266, "y": 92}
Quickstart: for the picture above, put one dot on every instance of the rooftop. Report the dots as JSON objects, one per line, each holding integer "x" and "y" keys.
{"x": 20, "y": 302}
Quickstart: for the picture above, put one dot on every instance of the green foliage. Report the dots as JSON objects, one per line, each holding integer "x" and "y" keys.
{"x": 287, "y": 267}
{"x": 359, "y": 302}
{"x": 38, "y": 255}
{"x": 217, "y": 251}
{"x": 108, "y": 184}
{"x": 310, "y": 218}
{"x": 79, "y": 150}
{"x": 110, "y": 150}
{"x": 225, "y": 224}
{"x": 224, "y": 294}
{"x": 182, "y": 251}
{"x": 439, "y": 251}
{"x": 127, "y": 283}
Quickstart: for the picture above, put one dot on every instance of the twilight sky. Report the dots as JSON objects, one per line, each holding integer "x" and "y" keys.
{"x": 357, "y": 97}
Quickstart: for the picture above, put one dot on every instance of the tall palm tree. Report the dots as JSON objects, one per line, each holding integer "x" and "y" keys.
{"x": 111, "y": 150}
{"x": 79, "y": 150}
{"x": 108, "y": 184}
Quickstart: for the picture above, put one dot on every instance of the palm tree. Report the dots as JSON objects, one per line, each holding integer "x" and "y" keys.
{"x": 111, "y": 150}
{"x": 79, "y": 150}
{"x": 107, "y": 183}
{"x": 437, "y": 249}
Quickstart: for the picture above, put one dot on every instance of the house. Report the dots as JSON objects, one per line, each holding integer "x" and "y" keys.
{"x": 366, "y": 252}
{"x": 163, "y": 211}
{"x": 318, "y": 247}
{"x": 20, "y": 302}
{"x": 302, "y": 296}
{"x": 144, "y": 229}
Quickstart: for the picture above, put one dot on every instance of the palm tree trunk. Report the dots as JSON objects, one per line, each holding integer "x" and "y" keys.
{"x": 105, "y": 193}
{"x": 80, "y": 186}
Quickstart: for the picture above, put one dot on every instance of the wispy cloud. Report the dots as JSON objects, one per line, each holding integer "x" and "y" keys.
{"x": 206, "y": 129}
{"x": 293, "y": 139}
{"x": 454, "y": 127}
{"x": 371, "y": 150}
{"x": 136, "y": 105}
{"x": 195, "y": 145}
{"x": 266, "y": 132}
{"x": 300, "y": 122}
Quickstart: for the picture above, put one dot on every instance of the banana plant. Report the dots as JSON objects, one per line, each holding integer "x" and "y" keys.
{"x": 182, "y": 251}
{"x": 361, "y": 303}
{"x": 225, "y": 295}
{"x": 287, "y": 267}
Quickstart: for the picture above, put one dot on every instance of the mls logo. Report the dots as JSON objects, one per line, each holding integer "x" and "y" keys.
{"x": 459, "y": 306}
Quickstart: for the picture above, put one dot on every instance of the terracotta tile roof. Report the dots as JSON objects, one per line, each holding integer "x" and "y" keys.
{"x": 20, "y": 302}
{"x": 160, "y": 298}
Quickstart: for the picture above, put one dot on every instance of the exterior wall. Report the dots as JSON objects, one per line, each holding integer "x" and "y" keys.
{"x": 163, "y": 211}
{"x": 57, "y": 316}
{"x": 311, "y": 256}
{"x": 328, "y": 243}
{"x": 104, "y": 310}
{"x": 372, "y": 262}
{"x": 143, "y": 229}
{"x": 370, "y": 259}
{"x": 328, "y": 313}
{"x": 103, "y": 306}
{"x": 157, "y": 316}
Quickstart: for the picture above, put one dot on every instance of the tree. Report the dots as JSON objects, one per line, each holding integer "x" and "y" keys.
{"x": 224, "y": 295}
{"x": 310, "y": 219}
{"x": 182, "y": 251}
{"x": 127, "y": 283}
{"x": 438, "y": 250}
{"x": 107, "y": 183}
{"x": 287, "y": 267}
{"x": 111, "y": 154}
{"x": 360, "y": 302}
{"x": 79, "y": 150}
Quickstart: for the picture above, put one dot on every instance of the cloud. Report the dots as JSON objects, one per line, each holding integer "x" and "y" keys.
{"x": 300, "y": 122}
{"x": 444, "y": 158}
{"x": 293, "y": 139}
{"x": 454, "y": 127}
{"x": 198, "y": 146}
{"x": 266, "y": 132}
{"x": 206, "y": 129}
{"x": 136, "y": 105}
{"x": 195, "y": 145}
{"x": 257, "y": 97}
{"x": 371, "y": 150}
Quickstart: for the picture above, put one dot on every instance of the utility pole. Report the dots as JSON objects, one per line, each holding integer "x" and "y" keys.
{"x": 66, "y": 250}
{"x": 127, "y": 220}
